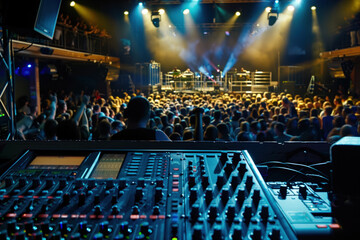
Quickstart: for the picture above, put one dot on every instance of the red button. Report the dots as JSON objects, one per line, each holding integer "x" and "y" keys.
{"x": 321, "y": 226}
{"x": 334, "y": 226}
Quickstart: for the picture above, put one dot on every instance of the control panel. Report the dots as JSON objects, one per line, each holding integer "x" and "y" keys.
{"x": 143, "y": 194}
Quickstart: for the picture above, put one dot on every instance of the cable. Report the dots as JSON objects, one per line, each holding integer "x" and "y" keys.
{"x": 295, "y": 164}
{"x": 301, "y": 173}
{"x": 24, "y": 48}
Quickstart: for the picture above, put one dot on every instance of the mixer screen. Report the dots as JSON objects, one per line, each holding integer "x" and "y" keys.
{"x": 109, "y": 166}
{"x": 56, "y": 162}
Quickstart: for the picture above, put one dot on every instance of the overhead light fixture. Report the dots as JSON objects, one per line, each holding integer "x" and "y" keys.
{"x": 313, "y": 8}
{"x": 161, "y": 11}
{"x": 268, "y": 9}
{"x": 144, "y": 11}
{"x": 126, "y": 13}
{"x": 238, "y": 13}
{"x": 72, "y": 4}
{"x": 273, "y": 16}
{"x": 186, "y": 11}
{"x": 291, "y": 8}
{"x": 156, "y": 18}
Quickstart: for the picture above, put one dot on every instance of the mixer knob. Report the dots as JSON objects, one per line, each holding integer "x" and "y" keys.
{"x": 237, "y": 233}
{"x": 96, "y": 199}
{"x": 213, "y": 213}
{"x": 234, "y": 181}
{"x": 256, "y": 197}
{"x": 303, "y": 191}
{"x": 205, "y": 180}
{"x": 66, "y": 199}
{"x": 135, "y": 210}
{"x": 9, "y": 181}
{"x": 30, "y": 227}
{"x": 12, "y": 227}
{"x": 145, "y": 228}
{"x": 230, "y": 213}
{"x": 236, "y": 159}
{"x": 156, "y": 210}
{"x": 225, "y": 195}
{"x": 228, "y": 168}
{"x": 208, "y": 195}
{"x": 256, "y": 234}
{"x": 220, "y": 181}
{"x": 114, "y": 199}
{"x": 195, "y": 212}
{"x": 247, "y": 213}
{"x": 49, "y": 183}
{"x": 191, "y": 180}
{"x": 124, "y": 228}
{"x": 83, "y": 228}
{"x": 62, "y": 183}
{"x": 141, "y": 182}
{"x": 138, "y": 194}
{"x": 22, "y": 182}
{"x": 275, "y": 234}
{"x": 97, "y": 210}
{"x": 36, "y": 182}
{"x": 114, "y": 210}
{"x": 122, "y": 183}
{"x": 249, "y": 182}
{"x": 242, "y": 169}
{"x": 193, "y": 195}
{"x": 223, "y": 157}
{"x": 217, "y": 234}
{"x": 197, "y": 232}
{"x": 264, "y": 213}
{"x": 241, "y": 196}
{"x": 283, "y": 190}
{"x": 82, "y": 198}
{"x": 158, "y": 194}
{"x": 159, "y": 182}
{"x": 104, "y": 228}
{"x": 63, "y": 227}
{"x": 109, "y": 184}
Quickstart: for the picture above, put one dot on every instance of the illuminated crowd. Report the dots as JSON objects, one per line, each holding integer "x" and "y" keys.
{"x": 226, "y": 117}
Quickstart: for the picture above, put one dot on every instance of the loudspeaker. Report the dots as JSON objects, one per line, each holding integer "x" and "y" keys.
{"x": 31, "y": 18}
{"x": 345, "y": 179}
{"x": 46, "y": 17}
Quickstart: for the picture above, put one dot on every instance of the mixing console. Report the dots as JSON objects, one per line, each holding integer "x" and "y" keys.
{"x": 170, "y": 194}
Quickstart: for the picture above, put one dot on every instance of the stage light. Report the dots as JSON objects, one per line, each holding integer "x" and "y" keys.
{"x": 161, "y": 11}
{"x": 291, "y": 8}
{"x": 141, "y": 4}
{"x": 72, "y": 4}
{"x": 29, "y": 65}
{"x": 273, "y": 16}
{"x": 145, "y": 11}
{"x": 238, "y": 13}
{"x": 126, "y": 13}
{"x": 156, "y": 18}
{"x": 186, "y": 11}
{"x": 277, "y": 1}
{"x": 268, "y": 9}
{"x": 313, "y": 8}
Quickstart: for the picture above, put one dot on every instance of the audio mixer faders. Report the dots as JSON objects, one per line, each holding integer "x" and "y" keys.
{"x": 180, "y": 194}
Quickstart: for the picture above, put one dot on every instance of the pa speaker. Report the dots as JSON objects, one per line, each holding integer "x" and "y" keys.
{"x": 345, "y": 179}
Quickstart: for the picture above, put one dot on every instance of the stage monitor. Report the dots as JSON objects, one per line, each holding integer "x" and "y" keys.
{"x": 46, "y": 17}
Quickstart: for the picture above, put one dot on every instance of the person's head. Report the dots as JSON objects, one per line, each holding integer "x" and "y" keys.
{"x": 68, "y": 130}
{"x": 223, "y": 130}
{"x": 62, "y": 106}
{"x": 211, "y": 133}
{"x": 138, "y": 110}
{"x": 50, "y": 128}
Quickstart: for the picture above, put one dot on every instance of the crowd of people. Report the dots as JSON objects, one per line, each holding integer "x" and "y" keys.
{"x": 79, "y": 34}
{"x": 171, "y": 117}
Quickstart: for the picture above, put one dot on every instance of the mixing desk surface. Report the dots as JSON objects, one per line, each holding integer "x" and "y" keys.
{"x": 168, "y": 194}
